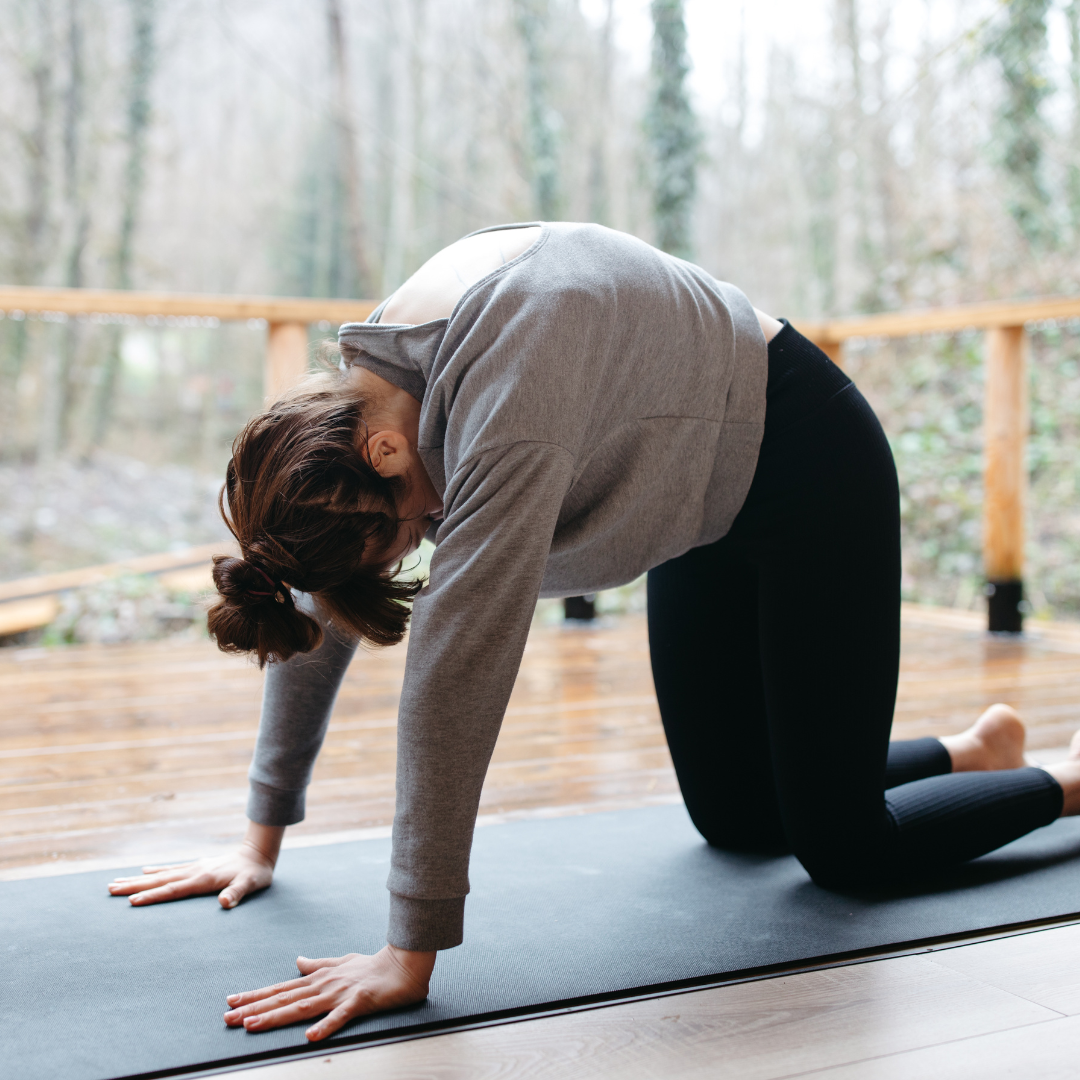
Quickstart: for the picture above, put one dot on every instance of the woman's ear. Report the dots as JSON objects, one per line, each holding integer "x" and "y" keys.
{"x": 388, "y": 452}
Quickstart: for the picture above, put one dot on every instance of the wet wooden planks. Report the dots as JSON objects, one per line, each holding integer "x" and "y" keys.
{"x": 120, "y": 753}
{"x": 125, "y": 753}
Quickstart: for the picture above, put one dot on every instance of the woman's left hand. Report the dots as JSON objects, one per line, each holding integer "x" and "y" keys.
{"x": 344, "y": 987}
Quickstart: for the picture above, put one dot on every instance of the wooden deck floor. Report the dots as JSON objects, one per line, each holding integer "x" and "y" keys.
{"x": 116, "y": 754}
{"x": 110, "y": 754}
{"x": 113, "y": 756}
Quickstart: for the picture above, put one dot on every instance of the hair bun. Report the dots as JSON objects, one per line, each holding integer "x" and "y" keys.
{"x": 243, "y": 579}
{"x": 256, "y": 613}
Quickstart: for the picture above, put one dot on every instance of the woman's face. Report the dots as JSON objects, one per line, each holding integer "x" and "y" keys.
{"x": 418, "y": 508}
{"x": 389, "y": 444}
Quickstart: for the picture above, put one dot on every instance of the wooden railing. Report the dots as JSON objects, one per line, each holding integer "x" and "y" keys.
{"x": 287, "y": 318}
{"x": 1005, "y": 420}
{"x": 28, "y": 603}
{"x": 1005, "y": 417}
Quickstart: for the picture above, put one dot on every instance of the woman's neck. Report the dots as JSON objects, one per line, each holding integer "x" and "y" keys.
{"x": 387, "y": 405}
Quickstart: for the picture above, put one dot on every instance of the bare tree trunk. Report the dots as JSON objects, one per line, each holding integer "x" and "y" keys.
{"x": 78, "y": 208}
{"x": 734, "y": 163}
{"x": 74, "y": 111}
{"x": 532, "y": 22}
{"x": 852, "y": 221}
{"x": 1020, "y": 46}
{"x": 401, "y": 18}
{"x": 36, "y": 142}
{"x": 141, "y": 72}
{"x": 672, "y": 130}
{"x": 52, "y": 394}
{"x": 599, "y": 195}
{"x": 881, "y": 242}
{"x": 742, "y": 93}
{"x": 348, "y": 146}
{"x": 35, "y": 243}
{"x": 1072, "y": 15}
{"x": 417, "y": 78}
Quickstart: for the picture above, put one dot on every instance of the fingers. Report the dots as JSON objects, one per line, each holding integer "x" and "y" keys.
{"x": 341, "y": 987}
{"x": 247, "y": 881}
{"x": 330, "y": 1023}
{"x": 304, "y": 1009}
{"x": 293, "y": 1006}
{"x": 236, "y": 1001}
{"x": 307, "y": 966}
{"x": 155, "y": 870}
{"x": 125, "y": 886}
{"x": 287, "y": 1007}
{"x": 174, "y": 890}
{"x": 236, "y": 890}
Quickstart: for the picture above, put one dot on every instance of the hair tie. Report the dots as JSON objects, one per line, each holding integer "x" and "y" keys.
{"x": 277, "y": 588}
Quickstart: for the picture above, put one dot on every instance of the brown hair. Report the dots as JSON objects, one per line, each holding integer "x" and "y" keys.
{"x": 305, "y": 504}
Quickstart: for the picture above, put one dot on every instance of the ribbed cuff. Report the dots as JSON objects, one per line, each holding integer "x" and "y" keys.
{"x": 1055, "y": 800}
{"x": 916, "y": 759}
{"x": 275, "y": 806}
{"x": 425, "y": 925}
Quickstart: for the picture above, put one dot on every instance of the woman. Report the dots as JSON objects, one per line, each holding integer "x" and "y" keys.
{"x": 562, "y": 408}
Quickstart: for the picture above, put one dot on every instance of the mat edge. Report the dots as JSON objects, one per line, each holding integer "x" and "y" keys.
{"x": 600, "y": 1001}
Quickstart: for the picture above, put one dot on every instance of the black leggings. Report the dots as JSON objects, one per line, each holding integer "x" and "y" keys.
{"x": 775, "y": 653}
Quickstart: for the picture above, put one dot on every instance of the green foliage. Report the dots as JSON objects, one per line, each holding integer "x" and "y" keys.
{"x": 1019, "y": 46}
{"x": 1053, "y": 542}
{"x": 133, "y": 607}
{"x": 928, "y": 393}
{"x": 313, "y": 239}
{"x": 142, "y": 61}
{"x": 933, "y": 417}
{"x": 672, "y": 130}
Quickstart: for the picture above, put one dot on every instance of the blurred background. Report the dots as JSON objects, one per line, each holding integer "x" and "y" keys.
{"x": 830, "y": 157}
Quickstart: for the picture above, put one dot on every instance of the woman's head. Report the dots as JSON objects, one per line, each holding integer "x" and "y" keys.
{"x": 311, "y": 512}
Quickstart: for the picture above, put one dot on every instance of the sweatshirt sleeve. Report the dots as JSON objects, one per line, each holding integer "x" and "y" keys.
{"x": 298, "y": 697}
{"x": 469, "y": 627}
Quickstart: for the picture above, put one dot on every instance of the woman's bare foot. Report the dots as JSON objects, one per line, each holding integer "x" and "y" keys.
{"x": 995, "y": 741}
{"x": 1067, "y": 774}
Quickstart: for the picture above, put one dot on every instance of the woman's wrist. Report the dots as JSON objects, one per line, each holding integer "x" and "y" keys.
{"x": 264, "y": 841}
{"x": 417, "y": 965}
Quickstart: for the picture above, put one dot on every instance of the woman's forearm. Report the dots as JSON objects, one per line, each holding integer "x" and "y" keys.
{"x": 298, "y": 697}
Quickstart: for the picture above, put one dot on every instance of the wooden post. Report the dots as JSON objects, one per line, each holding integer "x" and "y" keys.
{"x": 286, "y": 356}
{"x": 1005, "y": 440}
{"x": 580, "y": 608}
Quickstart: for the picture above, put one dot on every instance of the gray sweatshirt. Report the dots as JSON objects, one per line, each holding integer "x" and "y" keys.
{"x": 590, "y": 409}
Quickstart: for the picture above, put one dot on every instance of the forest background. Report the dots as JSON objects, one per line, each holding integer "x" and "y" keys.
{"x": 829, "y": 157}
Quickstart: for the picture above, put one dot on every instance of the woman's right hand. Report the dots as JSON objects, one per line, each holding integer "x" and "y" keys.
{"x": 231, "y": 876}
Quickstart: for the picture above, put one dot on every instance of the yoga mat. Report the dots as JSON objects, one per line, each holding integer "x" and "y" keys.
{"x": 562, "y": 910}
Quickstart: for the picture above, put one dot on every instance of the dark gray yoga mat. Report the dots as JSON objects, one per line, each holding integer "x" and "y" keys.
{"x": 562, "y": 910}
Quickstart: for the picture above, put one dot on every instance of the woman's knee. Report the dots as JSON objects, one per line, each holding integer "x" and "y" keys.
{"x": 845, "y": 859}
{"x": 735, "y": 831}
